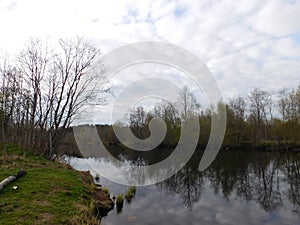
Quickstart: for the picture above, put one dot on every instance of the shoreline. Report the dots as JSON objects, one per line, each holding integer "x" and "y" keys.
{"x": 50, "y": 193}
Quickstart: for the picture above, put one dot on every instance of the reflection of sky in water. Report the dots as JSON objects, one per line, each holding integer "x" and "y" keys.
{"x": 95, "y": 167}
{"x": 105, "y": 167}
{"x": 154, "y": 205}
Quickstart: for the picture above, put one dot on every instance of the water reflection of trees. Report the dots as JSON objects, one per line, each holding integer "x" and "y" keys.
{"x": 270, "y": 179}
{"x": 187, "y": 183}
{"x": 268, "y": 184}
{"x": 291, "y": 169}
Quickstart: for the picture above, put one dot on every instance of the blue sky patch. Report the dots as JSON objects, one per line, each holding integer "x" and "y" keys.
{"x": 179, "y": 11}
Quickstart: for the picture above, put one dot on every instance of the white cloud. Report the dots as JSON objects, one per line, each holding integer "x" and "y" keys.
{"x": 277, "y": 17}
{"x": 247, "y": 44}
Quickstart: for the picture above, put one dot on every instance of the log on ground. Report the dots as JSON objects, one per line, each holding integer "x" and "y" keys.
{"x": 10, "y": 179}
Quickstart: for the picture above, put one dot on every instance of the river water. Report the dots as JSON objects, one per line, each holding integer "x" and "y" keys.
{"x": 238, "y": 188}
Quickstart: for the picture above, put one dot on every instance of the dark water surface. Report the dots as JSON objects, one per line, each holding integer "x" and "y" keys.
{"x": 238, "y": 188}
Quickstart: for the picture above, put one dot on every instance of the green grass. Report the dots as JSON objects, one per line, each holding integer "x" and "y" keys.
{"x": 130, "y": 193}
{"x": 50, "y": 193}
{"x": 119, "y": 199}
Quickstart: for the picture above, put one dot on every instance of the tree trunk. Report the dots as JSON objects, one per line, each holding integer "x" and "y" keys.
{"x": 10, "y": 179}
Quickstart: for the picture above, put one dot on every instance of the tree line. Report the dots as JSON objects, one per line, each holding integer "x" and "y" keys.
{"x": 260, "y": 119}
{"x": 43, "y": 89}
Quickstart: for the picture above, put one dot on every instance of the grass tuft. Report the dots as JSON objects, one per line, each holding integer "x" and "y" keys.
{"x": 106, "y": 190}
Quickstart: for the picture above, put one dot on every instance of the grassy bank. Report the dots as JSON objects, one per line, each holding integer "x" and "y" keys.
{"x": 50, "y": 192}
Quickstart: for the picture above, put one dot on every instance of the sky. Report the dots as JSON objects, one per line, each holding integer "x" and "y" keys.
{"x": 245, "y": 44}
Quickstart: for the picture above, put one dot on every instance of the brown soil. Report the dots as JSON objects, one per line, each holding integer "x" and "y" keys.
{"x": 102, "y": 201}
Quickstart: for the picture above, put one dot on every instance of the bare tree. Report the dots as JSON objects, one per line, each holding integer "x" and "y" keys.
{"x": 259, "y": 104}
{"x": 187, "y": 104}
{"x": 11, "y": 98}
{"x": 168, "y": 112}
{"x": 138, "y": 121}
{"x": 238, "y": 108}
{"x": 60, "y": 82}
{"x": 73, "y": 82}
{"x": 4, "y": 85}
{"x": 33, "y": 63}
{"x": 289, "y": 107}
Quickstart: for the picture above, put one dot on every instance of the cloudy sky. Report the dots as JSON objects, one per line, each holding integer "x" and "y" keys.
{"x": 245, "y": 44}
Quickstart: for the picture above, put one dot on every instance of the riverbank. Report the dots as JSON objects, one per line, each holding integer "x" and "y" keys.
{"x": 263, "y": 147}
{"x": 50, "y": 193}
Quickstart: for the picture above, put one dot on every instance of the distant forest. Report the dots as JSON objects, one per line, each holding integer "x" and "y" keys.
{"x": 44, "y": 89}
{"x": 253, "y": 121}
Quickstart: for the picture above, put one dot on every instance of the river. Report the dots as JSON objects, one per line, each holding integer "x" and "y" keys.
{"x": 241, "y": 187}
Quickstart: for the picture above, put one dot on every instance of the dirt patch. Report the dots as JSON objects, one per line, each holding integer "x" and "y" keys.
{"x": 43, "y": 203}
{"x": 43, "y": 218}
{"x": 102, "y": 201}
{"x": 86, "y": 177}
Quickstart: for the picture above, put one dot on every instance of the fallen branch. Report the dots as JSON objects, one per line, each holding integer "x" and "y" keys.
{"x": 10, "y": 179}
